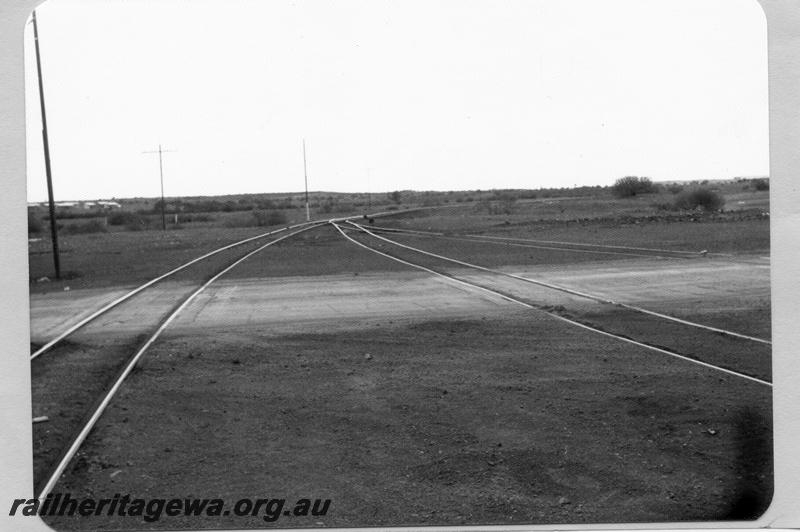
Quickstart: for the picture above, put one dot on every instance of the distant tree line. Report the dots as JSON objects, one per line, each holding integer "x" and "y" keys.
{"x": 214, "y": 205}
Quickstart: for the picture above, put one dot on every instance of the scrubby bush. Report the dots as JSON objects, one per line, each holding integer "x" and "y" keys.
{"x": 286, "y": 203}
{"x": 629, "y": 186}
{"x": 239, "y": 220}
{"x": 123, "y": 218}
{"x": 195, "y": 217}
{"x": 761, "y": 184}
{"x": 495, "y": 207}
{"x": 699, "y": 198}
{"x": 34, "y": 224}
{"x": 256, "y": 219}
{"x": 675, "y": 188}
{"x": 264, "y": 218}
{"x": 92, "y": 226}
{"x": 663, "y": 206}
{"x": 131, "y": 220}
{"x": 431, "y": 201}
{"x": 328, "y": 205}
{"x": 396, "y": 196}
{"x": 139, "y": 225}
{"x": 266, "y": 204}
{"x": 344, "y": 206}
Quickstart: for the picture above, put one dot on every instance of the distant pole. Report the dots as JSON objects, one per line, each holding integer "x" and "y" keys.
{"x": 159, "y": 151}
{"x": 305, "y": 176}
{"x": 161, "y": 175}
{"x": 369, "y": 192}
{"x": 53, "y": 226}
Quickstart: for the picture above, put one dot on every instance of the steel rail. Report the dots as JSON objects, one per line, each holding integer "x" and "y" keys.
{"x": 730, "y": 257}
{"x": 586, "y": 244}
{"x": 559, "y": 242}
{"x": 81, "y": 437}
{"x": 571, "y": 291}
{"x": 559, "y": 317}
{"x": 471, "y": 238}
{"x": 503, "y": 240}
{"x": 102, "y": 310}
{"x": 148, "y": 284}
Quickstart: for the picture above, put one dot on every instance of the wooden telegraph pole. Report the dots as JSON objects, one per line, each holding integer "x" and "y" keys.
{"x": 305, "y": 176}
{"x": 159, "y": 151}
{"x": 52, "y": 205}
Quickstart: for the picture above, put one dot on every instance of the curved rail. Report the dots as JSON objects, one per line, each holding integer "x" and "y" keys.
{"x": 571, "y": 291}
{"x": 586, "y": 244}
{"x": 500, "y": 240}
{"x": 99, "y": 312}
{"x": 557, "y": 316}
{"x": 81, "y": 437}
{"x": 471, "y": 238}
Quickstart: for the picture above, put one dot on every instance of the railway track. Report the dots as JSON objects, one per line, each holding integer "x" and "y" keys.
{"x": 116, "y": 302}
{"x": 574, "y": 247}
{"x": 125, "y": 297}
{"x": 99, "y": 406}
{"x": 88, "y": 374}
{"x": 761, "y": 376}
{"x": 96, "y": 412}
{"x": 586, "y": 295}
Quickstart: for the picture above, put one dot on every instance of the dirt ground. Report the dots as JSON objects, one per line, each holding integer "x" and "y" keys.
{"x": 732, "y": 232}
{"x": 69, "y": 380}
{"x": 506, "y": 420}
{"x": 108, "y": 260}
{"x": 322, "y": 370}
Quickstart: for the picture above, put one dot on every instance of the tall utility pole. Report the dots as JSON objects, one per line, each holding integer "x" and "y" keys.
{"x": 369, "y": 192}
{"x": 53, "y": 226}
{"x": 305, "y": 176}
{"x": 161, "y": 174}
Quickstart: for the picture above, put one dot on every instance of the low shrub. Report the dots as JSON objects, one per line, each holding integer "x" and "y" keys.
{"x": 123, "y": 218}
{"x": 429, "y": 201}
{"x": 327, "y": 206}
{"x": 92, "y": 226}
{"x": 699, "y": 198}
{"x": 495, "y": 207}
{"x": 239, "y": 220}
{"x": 256, "y": 219}
{"x": 195, "y": 217}
{"x": 663, "y": 206}
{"x": 630, "y": 186}
{"x": 34, "y": 224}
{"x": 264, "y": 218}
{"x": 136, "y": 226}
{"x": 761, "y": 184}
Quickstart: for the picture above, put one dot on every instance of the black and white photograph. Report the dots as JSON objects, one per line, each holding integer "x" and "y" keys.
{"x": 397, "y": 263}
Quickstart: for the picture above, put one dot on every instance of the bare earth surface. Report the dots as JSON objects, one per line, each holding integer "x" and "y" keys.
{"x": 332, "y": 303}
{"x": 406, "y": 399}
{"x": 666, "y": 286}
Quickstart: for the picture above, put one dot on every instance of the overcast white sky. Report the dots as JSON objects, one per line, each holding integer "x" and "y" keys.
{"x": 415, "y": 94}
